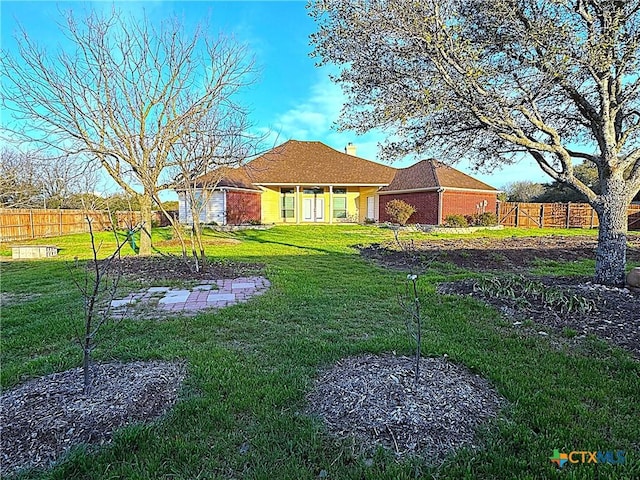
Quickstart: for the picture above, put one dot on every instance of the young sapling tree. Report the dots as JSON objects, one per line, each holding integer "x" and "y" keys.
{"x": 409, "y": 299}
{"x": 98, "y": 286}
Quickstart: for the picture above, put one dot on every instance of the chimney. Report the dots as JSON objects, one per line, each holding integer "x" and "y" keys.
{"x": 350, "y": 149}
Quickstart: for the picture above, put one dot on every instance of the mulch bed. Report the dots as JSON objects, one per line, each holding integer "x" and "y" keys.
{"x": 42, "y": 419}
{"x": 493, "y": 254}
{"x": 375, "y": 400}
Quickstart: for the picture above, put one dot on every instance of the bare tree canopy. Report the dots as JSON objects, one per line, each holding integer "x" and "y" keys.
{"x": 125, "y": 94}
{"x": 34, "y": 180}
{"x": 492, "y": 79}
{"x": 219, "y": 141}
{"x": 523, "y": 191}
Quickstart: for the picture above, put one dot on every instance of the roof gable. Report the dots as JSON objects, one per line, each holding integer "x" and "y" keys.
{"x": 433, "y": 174}
{"x": 226, "y": 177}
{"x": 314, "y": 163}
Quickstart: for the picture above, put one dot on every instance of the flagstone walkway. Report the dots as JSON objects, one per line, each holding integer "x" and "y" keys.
{"x": 207, "y": 294}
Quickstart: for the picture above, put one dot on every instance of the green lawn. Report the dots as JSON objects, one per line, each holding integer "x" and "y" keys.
{"x": 250, "y": 366}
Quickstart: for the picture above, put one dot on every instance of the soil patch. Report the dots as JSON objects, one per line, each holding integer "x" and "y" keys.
{"x": 612, "y": 314}
{"x": 375, "y": 399}
{"x": 159, "y": 268}
{"x": 43, "y": 418}
{"x": 490, "y": 254}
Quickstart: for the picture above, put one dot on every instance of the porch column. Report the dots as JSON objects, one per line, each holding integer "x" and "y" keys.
{"x": 330, "y": 204}
{"x": 298, "y": 204}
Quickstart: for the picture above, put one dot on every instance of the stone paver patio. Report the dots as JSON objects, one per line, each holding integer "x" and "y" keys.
{"x": 207, "y": 294}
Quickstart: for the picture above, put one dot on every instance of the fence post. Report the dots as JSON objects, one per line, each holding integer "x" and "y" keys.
{"x": 517, "y": 214}
{"x": 591, "y": 219}
{"x": 60, "y": 211}
{"x": 568, "y": 219}
{"x": 541, "y": 215}
{"x": 33, "y": 232}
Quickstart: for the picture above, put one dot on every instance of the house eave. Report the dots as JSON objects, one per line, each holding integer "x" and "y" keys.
{"x": 410, "y": 190}
{"x": 224, "y": 188}
{"x": 320, "y": 184}
{"x": 436, "y": 189}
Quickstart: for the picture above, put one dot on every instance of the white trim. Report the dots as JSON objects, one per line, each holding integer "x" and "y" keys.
{"x": 240, "y": 189}
{"x": 297, "y": 204}
{"x": 457, "y": 189}
{"x": 224, "y": 206}
{"x": 435, "y": 189}
{"x": 337, "y": 184}
{"x": 330, "y": 204}
{"x": 220, "y": 189}
{"x": 414, "y": 190}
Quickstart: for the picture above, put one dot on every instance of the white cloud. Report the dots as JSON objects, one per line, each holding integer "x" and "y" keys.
{"x": 314, "y": 119}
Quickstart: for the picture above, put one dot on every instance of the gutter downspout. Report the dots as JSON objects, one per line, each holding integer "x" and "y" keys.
{"x": 224, "y": 205}
{"x": 440, "y": 192}
{"x": 330, "y": 204}
{"x": 297, "y": 204}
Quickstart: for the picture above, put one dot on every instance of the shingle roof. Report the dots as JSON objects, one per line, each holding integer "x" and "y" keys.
{"x": 227, "y": 177}
{"x": 433, "y": 174}
{"x": 314, "y": 163}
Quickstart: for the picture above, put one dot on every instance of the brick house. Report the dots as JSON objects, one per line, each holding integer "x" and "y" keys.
{"x": 309, "y": 182}
{"x": 437, "y": 190}
{"x": 229, "y": 198}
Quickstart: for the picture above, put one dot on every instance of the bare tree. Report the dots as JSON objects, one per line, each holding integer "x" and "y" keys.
{"x": 496, "y": 79}
{"x": 523, "y": 191}
{"x": 20, "y": 182}
{"x": 220, "y": 143}
{"x": 37, "y": 180}
{"x": 127, "y": 92}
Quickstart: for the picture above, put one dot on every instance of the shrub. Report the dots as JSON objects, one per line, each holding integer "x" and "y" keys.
{"x": 487, "y": 219}
{"x": 399, "y": 211}
{"x": 456, "y": 221}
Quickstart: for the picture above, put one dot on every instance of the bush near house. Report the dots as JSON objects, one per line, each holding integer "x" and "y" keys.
{"x": 485, "y": 219}
{"x": 456, "y": 221}
{"x": 399, "y": 211}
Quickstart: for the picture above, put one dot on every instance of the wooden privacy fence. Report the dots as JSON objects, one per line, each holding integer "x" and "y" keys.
{"x": 24, "y": 223}
{"x": 558, "y": 215}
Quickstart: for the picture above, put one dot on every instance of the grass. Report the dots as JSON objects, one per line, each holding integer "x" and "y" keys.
{"x": 250, "y": 366}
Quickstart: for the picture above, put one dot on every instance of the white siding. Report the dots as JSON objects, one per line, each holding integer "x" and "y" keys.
{"x": 212, "y": 212}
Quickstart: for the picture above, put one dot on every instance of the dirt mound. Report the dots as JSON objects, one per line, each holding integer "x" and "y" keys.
{"x": 169, "y": 267}
{"x": 375, "y": 400}
{"x": 43, "y": 418}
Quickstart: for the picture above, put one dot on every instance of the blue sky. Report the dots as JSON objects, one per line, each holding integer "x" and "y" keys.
{"x": 292, "y": 97}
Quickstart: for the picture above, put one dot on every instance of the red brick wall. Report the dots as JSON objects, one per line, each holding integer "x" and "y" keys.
{"x": 465, "y": 203}
{"x": 425, "y": 203}
{"x": 242, "y": 207}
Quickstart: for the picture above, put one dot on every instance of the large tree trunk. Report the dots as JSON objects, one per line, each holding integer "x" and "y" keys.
{"x": 145, "y": 232}
{"x": 611, "y": 254}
